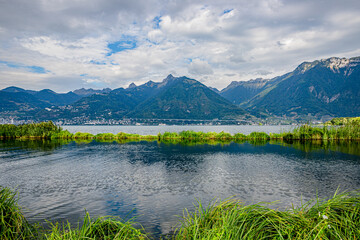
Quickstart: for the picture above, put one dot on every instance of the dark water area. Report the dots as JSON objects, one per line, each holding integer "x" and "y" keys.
{"x": 155, "y": 182}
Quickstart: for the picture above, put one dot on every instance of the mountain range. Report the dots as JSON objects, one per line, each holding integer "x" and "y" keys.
{"x": 173, "y": 98}
{"x": 328, "y": 87}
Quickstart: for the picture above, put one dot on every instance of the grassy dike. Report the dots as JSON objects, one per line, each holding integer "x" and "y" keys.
{"x": 48, "y": 130}
{"x": 334, "y": 218}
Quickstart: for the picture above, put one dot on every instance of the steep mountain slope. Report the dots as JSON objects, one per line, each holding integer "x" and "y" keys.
{"x": 326, "y": 87}
{"x": 106, "y": 105}
{"x": 46, "y": 95}
{"x": 103, "y": 104}
{"x": 142, "y": 92}
{"x": 215, "y": 90}
{"x": 180, "y": 98}
{"x": 20, "y": 101}
{"x": 87, "y": 92}
{"x": 57, "y": 99}
{"x": 17, "y": 89}
{"x": 184, "y": 98}
{"x": 239, "y": 92}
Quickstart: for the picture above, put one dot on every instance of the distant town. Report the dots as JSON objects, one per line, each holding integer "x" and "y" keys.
{"x": 157, "y": 122}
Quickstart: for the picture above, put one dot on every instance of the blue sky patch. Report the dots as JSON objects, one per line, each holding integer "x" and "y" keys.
{"x": 152, "y": 42}
{"x": 227, "y": 11}
{"x": 156, "y": 22}
{"x": 126, "y": 43}
{"x": 11, "y": 65}
{"x": 36, "y": 69}
{"x": 97, "y": 62}
{"x": 33, "y": 69}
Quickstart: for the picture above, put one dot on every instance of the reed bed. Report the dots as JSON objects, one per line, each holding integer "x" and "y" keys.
{"x": 307, "y": 132}
{"x": 335, "y": 218}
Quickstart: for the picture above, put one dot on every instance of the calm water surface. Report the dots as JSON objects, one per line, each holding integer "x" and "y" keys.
{"x": 154, "y": 130}
{"x": 154, "y": 181}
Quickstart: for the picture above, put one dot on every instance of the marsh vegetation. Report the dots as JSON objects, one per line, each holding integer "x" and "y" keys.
{"x": 48, "y": 130}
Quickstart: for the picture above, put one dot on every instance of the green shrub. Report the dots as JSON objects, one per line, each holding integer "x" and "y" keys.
{"x": 276, "y": 135}
{"x": 32, "y": 130}
{"x": 169, "y": 135}
{"x": 80, "y": 135}
{"x": 258, "y": 135}
{"x": 223, "y": 136}
{"x": 105, "y": 136}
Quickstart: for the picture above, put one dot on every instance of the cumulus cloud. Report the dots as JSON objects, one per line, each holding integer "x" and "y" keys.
{"x": 199, "y": 67}
{"x": 111, "y": 43}
{"x": 262, "y": 72}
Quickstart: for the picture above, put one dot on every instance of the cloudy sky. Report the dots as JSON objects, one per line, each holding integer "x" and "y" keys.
{"x": 68, "y": 44}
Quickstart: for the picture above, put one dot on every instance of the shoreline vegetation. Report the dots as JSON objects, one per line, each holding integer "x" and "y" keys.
{"x": 348, "y": 130}
{"x": 335, "y": 218}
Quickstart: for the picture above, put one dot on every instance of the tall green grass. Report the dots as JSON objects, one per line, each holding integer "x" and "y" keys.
{"x": 98, "y": 228}
{"x": 335, "y": 218}
{"x": 13, "y": 224}
{"x": 307, "y": 132}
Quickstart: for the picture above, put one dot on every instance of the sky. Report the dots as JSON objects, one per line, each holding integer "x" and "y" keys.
{"x": 70, "y": 44}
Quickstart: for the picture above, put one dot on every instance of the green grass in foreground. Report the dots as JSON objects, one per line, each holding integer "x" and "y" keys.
{"x": 99, "y": 228}
{"x": 335, "y": 218}
{"x": 13, "y": 225}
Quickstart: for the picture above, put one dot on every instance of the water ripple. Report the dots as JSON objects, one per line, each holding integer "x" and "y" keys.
{"x": 155, "y": 182}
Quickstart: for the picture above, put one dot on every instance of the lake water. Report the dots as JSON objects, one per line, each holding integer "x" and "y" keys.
{"x": 154, "y": 181}
{"x": 154, "y": 130}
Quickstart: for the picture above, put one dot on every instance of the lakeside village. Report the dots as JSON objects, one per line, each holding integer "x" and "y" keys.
{"x": 160, "y": 122}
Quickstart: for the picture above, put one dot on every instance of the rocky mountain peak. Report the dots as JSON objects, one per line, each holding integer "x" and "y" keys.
{"x": 47, "y": 91}
{"x": 252, "y": 83}
{"x": 132, "y": 85}
{"x": 305, "y": 66}
{"x": 169, "y": 79}
{"x": 335, "y": 64}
